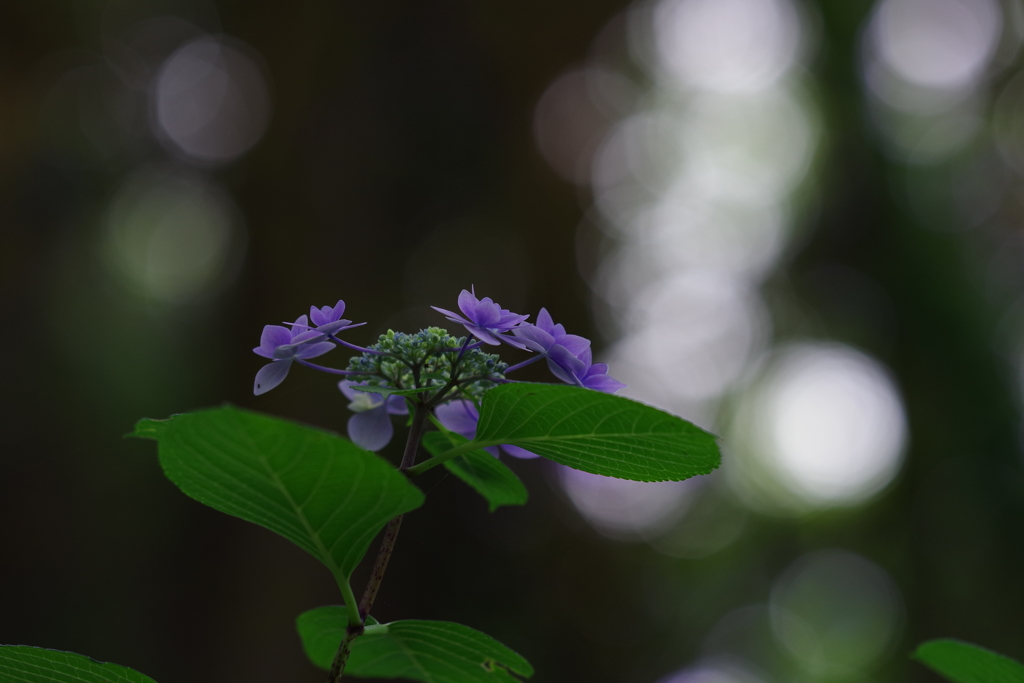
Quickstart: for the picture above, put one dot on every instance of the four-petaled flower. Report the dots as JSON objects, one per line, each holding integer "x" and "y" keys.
{"x": 371, "y": 427}
{"x": 461, "y": 417}
{"x": 484, "y": 319}
{"x": 328, "y": 319}
{"x": 282, "y": 346}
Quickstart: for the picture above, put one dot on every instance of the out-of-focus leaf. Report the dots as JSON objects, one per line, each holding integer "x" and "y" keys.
{"x": 24, "y": 664}
{"x": 595, "y": 432}
{"x": 316, "y": 489}
{"x": 491, "y": 478}
{"x": 965, "y": 663}
{"x": 428, "y": 651}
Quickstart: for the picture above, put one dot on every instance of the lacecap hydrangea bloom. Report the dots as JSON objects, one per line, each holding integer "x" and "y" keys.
{"x": 430, "y": 370}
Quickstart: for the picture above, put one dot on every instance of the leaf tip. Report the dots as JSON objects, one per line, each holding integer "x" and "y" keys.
{"x": 147, "y": 428}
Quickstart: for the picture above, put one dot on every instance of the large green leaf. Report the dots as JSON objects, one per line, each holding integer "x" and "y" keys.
{"x": 428, "y": 651}
{"x": 965, "y": 663}
{"x": 316, "y": 489}
{"x": 480, "y": 470}
{"x": 24, "y": 664}
{"x": 594, "y": 432}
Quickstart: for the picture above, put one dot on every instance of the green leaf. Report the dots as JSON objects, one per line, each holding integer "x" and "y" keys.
{"x": 965, "y": 663}
{"x": 491, "y": 478}
{"x": 428, "y": 651}
{"x": 595, "y": 432}
{"x": 24, "y": 664}
{"x": 316, "y": 489}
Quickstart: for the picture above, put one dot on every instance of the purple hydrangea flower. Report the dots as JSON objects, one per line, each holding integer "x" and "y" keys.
{"x": 282, "y": 346}
{"x": 484, "y": 319}
{"x": 561, "y": 350}
{"x": 462, "y": 416}
{"x": 371, "y": 427}
{"x": 568, "y": 355}
{"x": 327, "y": 319}
{"x": 595, "y": 376}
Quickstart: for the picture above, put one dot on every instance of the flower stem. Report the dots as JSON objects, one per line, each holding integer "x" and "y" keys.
{"x": 333, "y": 371}
{"x": 387, "y": 547}
{"x": 526, "y": 362}
{"x": 361, "y": 349}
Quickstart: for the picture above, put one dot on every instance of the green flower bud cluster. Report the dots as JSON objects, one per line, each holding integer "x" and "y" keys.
{"x": 428, "y": 359}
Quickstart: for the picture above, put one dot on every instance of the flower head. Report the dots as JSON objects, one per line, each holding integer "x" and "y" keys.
{"x": 462, "y": 417}
{"x": 484, "y": 319}
{"x": 434, "y": 352}
{"x": 370, "y": 427}
{"x": 282, "y": 345}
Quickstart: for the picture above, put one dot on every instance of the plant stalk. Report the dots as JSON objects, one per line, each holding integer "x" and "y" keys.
{"x": 387, "y": 546}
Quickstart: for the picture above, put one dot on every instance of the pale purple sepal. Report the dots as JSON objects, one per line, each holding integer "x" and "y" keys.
{"x": 270, "y": 375}
{"x": 371, "y": 429}
{"x": 272, "y": 337}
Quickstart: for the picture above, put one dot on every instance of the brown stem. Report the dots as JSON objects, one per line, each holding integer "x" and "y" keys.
{"x": 338, "y": 666}
{"x": 387, "y": 546}
{"x": 380, "y": 565}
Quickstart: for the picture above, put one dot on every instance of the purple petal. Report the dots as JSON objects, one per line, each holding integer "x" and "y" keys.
{"x": 486, "y": 336}
{"x": 454, "y": 317}
{"x": 603, "y": 383}
{"x": 517, "y": 452}
{"x": 270, "y": 375}
{"x": 511, "y": 341}
{"x": 459, "y": 416}
{"x": 285, "y": 352}
{"x": 564, "y": 365}
{"x": 326, "y": 314}
{"x": 507, "y": 320}
{"x": 305, "y": 336}
{"x": 313, "y": 350}
{"x": 487, "y": 313}
{"x": 272, "y": 337}
{"x": 396, "y": 405}
{"x": 468, "y": 303}
{"x": 534, "y": 337}
{"x": 575, "y": 344}
{"x": 333, "y": 327}
{"x": 352, "y": 394}
{"x": 318, "y": 316}
{"x": 346, "y": 385}
{"x": 372, "y": 429}
{"x": 544, "y": 321}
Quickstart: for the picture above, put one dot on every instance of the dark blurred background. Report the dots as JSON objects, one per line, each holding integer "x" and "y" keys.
{"x": 796, "y": 223}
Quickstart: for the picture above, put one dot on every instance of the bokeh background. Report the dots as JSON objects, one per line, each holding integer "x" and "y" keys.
{"x": 798, "y": 224}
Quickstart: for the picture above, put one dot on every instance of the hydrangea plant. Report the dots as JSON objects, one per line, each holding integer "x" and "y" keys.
{"x": 332, "y": 495}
